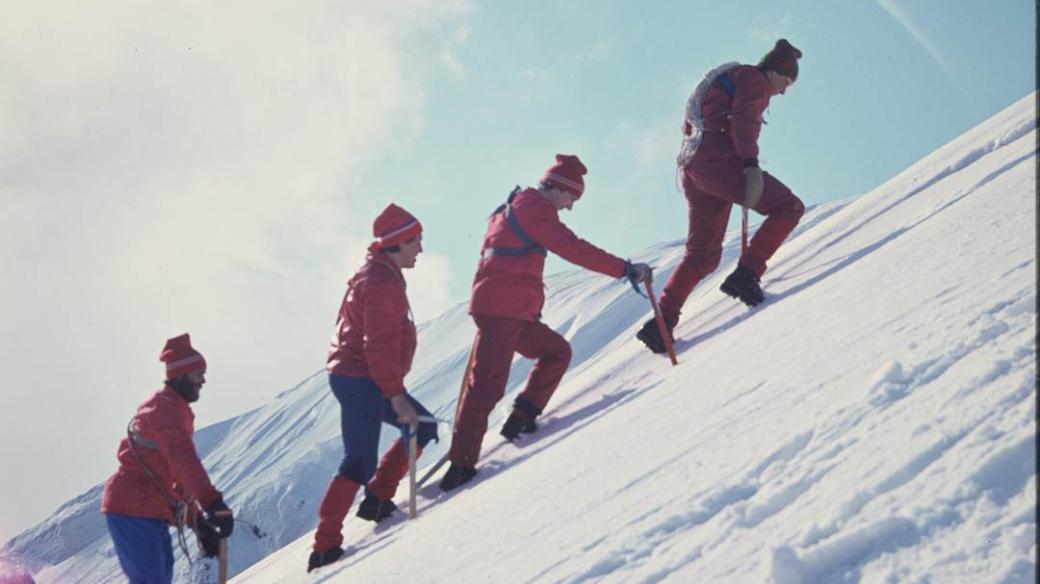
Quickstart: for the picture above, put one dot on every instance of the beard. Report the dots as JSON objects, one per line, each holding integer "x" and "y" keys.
{"x": 185, "y": 388}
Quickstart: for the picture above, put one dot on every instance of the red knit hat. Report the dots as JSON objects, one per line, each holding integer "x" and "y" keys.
{"x": 783, "y": 59}
{"x": 393, "y": 226}
{"x": 566, "y": 174}
{"x": 180, "y": 358}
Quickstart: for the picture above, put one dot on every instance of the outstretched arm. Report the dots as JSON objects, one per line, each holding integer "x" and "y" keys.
{"x": 549, "y": 232}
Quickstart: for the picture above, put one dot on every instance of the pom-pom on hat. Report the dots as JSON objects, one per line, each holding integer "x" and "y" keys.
{"x": 783, "y": 59}
{"x": 181, "y": 358}
{"x": 393, "y": 226}
{"x": 567, "y": 174}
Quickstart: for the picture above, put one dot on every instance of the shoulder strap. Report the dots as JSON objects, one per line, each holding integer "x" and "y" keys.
{"x": 727, "y": 84}
{"x": 178, "y": 506}
{"x": 529, "y": 244}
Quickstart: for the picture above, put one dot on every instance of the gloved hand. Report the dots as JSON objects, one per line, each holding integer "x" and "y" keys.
{"x": 406, "y": 414}
{"x": 209, "y": 538}
{"x": 642, "y": 273}
{"x": 753, "y": 185}
{"x": 220, "y": 517}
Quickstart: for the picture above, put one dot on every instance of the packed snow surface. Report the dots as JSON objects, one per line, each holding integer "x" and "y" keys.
{"x": 873, "y": 421}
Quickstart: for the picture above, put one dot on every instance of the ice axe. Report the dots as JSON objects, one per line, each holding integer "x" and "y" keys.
{"x": 743, "y": 234}
{"x": 222, "y": 566}
{"x": 661, "y": 328}
{"x": 413, "y": 446}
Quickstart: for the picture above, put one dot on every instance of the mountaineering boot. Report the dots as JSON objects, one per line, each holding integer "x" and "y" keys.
{"x": 650, "y": 334}
{"x": 378, "y": 503}
{"x": 375, "y": 509}
{"x": 328, "y": 537}
{"x": 743, "y": 285}
{"x": 319, "y": 559}
{"x": 517, "y": 424}
{"x": 456, "y": 476}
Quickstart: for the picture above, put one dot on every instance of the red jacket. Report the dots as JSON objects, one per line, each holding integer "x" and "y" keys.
{"x": 732, "y": 124}
{"x": 164, "y": 427}
{"x": 375, "y": 336}
{"x": 512, "y": 286}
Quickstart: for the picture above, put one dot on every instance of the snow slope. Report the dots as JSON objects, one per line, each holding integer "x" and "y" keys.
{"x": 873, "y": 421}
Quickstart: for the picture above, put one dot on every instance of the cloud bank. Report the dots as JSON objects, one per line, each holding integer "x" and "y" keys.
{"x": 189, "y": 166}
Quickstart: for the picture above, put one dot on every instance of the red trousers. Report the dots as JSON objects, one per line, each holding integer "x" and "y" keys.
{"x": 711, "y": 192}
{"x": 497, "y": 339}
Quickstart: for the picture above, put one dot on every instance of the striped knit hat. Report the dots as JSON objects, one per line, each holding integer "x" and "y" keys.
{"x": 566, "y": 174}
{"x": 180, "y": 358}
{"x": 393, "y": 226}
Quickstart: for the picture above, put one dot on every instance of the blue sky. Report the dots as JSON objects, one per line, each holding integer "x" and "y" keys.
{"x": 215, "y": 168}
{"x": 881, "y": 85}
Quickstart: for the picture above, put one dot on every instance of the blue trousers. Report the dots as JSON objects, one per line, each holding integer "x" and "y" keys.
{"x": 144, "y": 547}
{"x": 362, "y": 410}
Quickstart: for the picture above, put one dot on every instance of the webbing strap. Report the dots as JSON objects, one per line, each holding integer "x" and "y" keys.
{"x": 727, "y": 84}
{"x": 138, "y": 439}
{"x": 529, "y": 244}
{"x": 178, "y": 507}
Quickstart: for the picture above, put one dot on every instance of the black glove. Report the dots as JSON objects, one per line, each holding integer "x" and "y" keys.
{"x": 220, "y": 516}
{"x": 636, "y": 274}
{"x": 209, "y": 538}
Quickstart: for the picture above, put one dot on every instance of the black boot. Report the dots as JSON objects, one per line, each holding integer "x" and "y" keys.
{"x": 650, "y": 334}
{"x": 319, "y": 559}
{"x": 516, "y": 425}
{"x": 375, "y": 509}
{"x": 456, "y": 476}
{"x": 743, "y": 285}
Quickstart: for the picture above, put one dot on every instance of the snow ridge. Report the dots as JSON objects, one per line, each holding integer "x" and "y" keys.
{"x": 862, "y": 425}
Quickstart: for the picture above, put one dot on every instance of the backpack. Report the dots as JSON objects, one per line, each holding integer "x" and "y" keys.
{"x": 693, "y": 125}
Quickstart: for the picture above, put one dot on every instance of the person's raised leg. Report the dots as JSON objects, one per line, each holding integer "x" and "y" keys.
{"x": 552, "y": 355}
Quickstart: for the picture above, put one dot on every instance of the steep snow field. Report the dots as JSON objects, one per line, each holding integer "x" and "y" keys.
{"x": 873, "y": 421}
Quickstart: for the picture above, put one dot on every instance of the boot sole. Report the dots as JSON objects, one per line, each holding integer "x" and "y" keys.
{"x": 733, "y": 293}
{"x": 339, "y": 556}
{"x": 654, "y": 348}
{"x": 457, "y": 484}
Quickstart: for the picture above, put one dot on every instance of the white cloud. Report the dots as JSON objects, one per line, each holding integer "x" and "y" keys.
{"x": 449, "y": 52}
{"x": 189, "y": 166}
{"x": 918, "y": 34}
{"x": 428, "y": 286}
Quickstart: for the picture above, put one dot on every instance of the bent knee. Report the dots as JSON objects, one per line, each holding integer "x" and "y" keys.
{"x": 358, "y": 470}
{"x": 564, "y": 353}
{"x": 790, "y": 208}
{"x": 795, "y": 209}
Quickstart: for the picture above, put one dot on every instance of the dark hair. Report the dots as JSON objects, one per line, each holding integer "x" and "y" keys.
{"x": 183, "y": 387}
{"x": 397, "y": 248}
{"x": 783, "y": 59}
